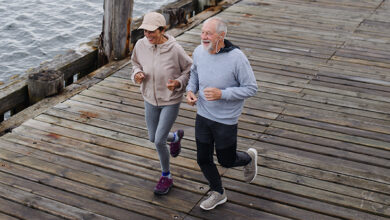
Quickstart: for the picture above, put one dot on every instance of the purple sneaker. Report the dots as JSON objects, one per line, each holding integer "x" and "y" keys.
{"x": 163, "y": 186}
{"x": 175, "y": 148}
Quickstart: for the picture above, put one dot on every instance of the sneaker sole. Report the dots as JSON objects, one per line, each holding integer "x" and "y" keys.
{"x": 255, "y": 152}
{"x": 163, "y": 193}
{"x": 177, "y": 154}
{"x": 181, "y": 134}
{"x": 218, "y": 203}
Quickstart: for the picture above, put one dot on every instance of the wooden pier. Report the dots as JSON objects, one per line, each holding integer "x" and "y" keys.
{"x": 320, "y": 122}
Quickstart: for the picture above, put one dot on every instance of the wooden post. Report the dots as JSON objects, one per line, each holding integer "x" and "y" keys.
{"x": 43, "y": 84}
{"x": 115, "y": 37}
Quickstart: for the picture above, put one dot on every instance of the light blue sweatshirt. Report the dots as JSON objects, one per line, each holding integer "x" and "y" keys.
{"x": 228, "y": 70}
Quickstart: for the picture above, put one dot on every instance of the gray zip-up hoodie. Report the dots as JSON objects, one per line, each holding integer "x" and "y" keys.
{"x": 230, "y": 71}
{"x": 160, "y": 63}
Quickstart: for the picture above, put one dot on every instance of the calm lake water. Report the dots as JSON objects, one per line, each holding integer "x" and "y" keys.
{"x": 34, "y": 31}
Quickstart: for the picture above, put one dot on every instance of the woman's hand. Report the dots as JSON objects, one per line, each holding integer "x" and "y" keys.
{"x": 139, "y": 77}
{"x": 173, "y": 84}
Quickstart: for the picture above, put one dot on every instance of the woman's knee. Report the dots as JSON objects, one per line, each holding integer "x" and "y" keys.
{"x": 160, "y": 142}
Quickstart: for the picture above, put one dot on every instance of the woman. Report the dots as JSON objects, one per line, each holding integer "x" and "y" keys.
{"x": 162, "y": 67}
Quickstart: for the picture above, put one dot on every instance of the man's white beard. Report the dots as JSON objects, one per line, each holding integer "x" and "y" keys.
{"x": 209, "y": 47}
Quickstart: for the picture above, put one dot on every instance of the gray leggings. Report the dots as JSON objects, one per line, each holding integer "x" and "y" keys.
{"x": 159, "y": 120}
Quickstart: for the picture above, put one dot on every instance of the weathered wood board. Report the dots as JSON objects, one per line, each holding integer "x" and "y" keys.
{"x": 320, "y": 122}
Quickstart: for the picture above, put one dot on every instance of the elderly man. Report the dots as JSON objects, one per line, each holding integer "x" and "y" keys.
{"x": 223, "y": 78}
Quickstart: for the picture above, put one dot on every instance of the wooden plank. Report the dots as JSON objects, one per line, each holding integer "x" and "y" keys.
{"x": 291, "y": 19}
{"x": 358, "y": 67}
{"x": 107, "y": 183}
{"x": 326, "y": 146}
{"x": 301, "y": 9}
{"x": 22, "y": 211}
{"x": 127, "y": 203}
{"x": 315, "y": 194}
{"x": 47, "y": 205}
{"x": 274, "y": 207}
{"x": 379, "y": 27}
{"x": 343, "y": 96}
{"x": 347, "y": 158}
{"x": 333, "y": 135}
{"x": 233, "y": 211}
{"x": 361, "y": 44}
{"x": 140, "y": 167}
{"x": 357, "y": 90}
{"x": 323, "y": 162}
{"x": 5, "y": 216}
{"x": 83, "y": 203}
{"x": 355, "y": 94}
{"x": 340, "y": 80}
{"x": 309, "y": 182}
{"x": 351, "y": 4}
{"x": 373, "y": 128}
{"x": 360, "y": 61}
{"x": 318, "y": 101}
{"x": 363, "y": 53}
{"x": 357, "y": 78}
{"x": 330, "y": 197}
{"x": 313, "y": 205}
{"x": 143, "y": 160}
{"x": 274, "y": 160}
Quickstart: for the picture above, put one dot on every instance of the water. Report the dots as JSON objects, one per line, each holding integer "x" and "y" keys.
{"x": 33, "y": 31}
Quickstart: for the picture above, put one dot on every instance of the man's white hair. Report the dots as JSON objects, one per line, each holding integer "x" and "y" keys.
{"x": 221, "y": 24}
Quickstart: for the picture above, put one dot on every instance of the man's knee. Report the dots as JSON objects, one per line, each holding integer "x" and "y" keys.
{"x": 203, "y": 160}
{"x": 226, "y": 157}
{"x": 225, "y": 162}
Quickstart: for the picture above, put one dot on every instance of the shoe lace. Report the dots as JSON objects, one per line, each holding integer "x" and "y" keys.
{"x": 161, "y": 182}
{"x": 212, "y": 195}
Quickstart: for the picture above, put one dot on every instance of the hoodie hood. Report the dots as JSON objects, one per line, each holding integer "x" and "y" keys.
{"x": 228, "y": 47}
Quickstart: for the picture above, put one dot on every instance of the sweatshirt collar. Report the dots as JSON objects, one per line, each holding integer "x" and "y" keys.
{"x": 166, "y": 45}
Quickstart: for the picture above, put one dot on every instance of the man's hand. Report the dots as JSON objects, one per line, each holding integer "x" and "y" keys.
{"x": 212, "y": 94}
{"x": 173, "y": 84}
{"x": 191, "y": 98}
{"x": 139, "y": 77}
